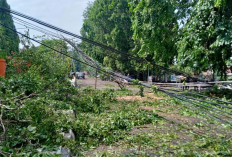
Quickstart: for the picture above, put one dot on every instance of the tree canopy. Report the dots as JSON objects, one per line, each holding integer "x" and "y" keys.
{"x": 206, "y": 41}
{"x": 155, "y": 27}
{"x": 108, "y": 22}
{"x": 8, "y": 39}
{"x": 193, "y": 34}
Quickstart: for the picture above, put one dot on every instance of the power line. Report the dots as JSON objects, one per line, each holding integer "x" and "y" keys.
{"x": 196, "y": 94}
{"x": 192, "y": 103}
{"x": 96, "y": 43}
{"x": 225, "y": 102}
{"x": 42, "y": 30}
{"x": 34, "y": 27}
{"x": 64, "y": 31}
{"x": 201, "y": 102}
{"x": 98, "y": 68}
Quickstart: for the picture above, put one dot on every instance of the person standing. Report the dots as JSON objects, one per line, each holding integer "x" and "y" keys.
{"x": 74, "y": 80}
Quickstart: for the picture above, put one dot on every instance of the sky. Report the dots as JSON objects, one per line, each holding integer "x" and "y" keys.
{"x": 66, "y": 14}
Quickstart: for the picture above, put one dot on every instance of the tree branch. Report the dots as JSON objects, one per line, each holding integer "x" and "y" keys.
{"x": 3, "y": 126}
{"x": 13, "y": 98}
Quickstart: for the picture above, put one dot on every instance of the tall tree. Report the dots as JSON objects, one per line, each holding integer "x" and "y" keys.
{"x": 108, "y": 22}
{"x": 8, "y": 39}
{"x": 155, "y": 28}
{"x": 206, "y": 42}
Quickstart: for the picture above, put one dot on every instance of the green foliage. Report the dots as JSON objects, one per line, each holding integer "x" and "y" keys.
{"x": 3, "y": 54}
{"x": 136, "y": 82}
{"x": 155, "y": 89}
{"x": 108, "y": 22}
{"x": 49, "y": 64}
{"x": 124, "y": 91}
{"x": 141, "y": 87}
{"x": 206, "y": 39}
{"x": 27, "y": 93}
{"x": 215, "y": 88}
{"x": 3, "y": 48}
{"x": 141, "y": 91}
{"x": 193, "y": 34}
{"x": 9, "y": 41}
{"x": 30, "y": 82}
{"x": 220, "y": 3}
{"x": 110, "y": 128}
{"x": 155, "y": 27}
{"x": 106, "y": 76}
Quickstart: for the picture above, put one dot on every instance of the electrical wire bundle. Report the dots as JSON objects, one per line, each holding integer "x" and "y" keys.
{"x": 218, "y": 111}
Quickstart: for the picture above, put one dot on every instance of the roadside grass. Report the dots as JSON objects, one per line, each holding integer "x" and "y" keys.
{"x": 110, "y": 85}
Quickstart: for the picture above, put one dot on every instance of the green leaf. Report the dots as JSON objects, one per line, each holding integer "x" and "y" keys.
{"x": 31, "y": 128}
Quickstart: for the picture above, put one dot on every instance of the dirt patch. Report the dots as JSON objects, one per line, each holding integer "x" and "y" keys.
{"x": 179, "y": 119}
{"x": 148, "y": 108}
{"x": 151, "y": 95}
{"x": 134, "y": 98}
{"x": 173, "y": 117}
{"x": 148, "y": 98}
{"x": 165, "y": 109}
{"x": 101, "y": 85}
